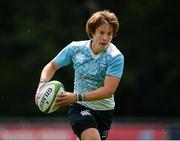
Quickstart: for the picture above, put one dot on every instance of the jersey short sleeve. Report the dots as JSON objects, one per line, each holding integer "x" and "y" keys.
{"x": 64, "y": 56}
{"x": 116, "y": 66}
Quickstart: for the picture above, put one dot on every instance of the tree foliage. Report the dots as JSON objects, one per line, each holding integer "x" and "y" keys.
{"x": 33, "y": 32}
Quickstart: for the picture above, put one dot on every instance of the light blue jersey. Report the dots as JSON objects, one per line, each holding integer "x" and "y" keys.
{"x": 91, "y": 70}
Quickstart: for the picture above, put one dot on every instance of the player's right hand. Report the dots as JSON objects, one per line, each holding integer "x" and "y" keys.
{"x": 37, "y": 92}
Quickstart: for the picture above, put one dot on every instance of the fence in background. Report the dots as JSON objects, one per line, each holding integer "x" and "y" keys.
{"x": 26, "y": 130}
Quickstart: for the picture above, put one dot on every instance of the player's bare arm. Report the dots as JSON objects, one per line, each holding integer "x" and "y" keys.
{"x": 46, "y": 74}
{"x": 109, "y": 88}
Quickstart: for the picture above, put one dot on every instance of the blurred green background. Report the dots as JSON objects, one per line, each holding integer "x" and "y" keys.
{"x": 32, "y": 32}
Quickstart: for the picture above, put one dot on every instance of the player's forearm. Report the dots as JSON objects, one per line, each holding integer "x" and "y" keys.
{"x": 109, "y": 88}
{"x": 48, "y": 72}
{"x": 98, "y": 94}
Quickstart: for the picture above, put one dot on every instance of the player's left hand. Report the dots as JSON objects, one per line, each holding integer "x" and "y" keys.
{"x": 65, "y": 98}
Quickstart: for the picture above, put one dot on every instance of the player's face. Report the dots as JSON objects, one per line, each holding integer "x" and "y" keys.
{"x": 102, "y": 37}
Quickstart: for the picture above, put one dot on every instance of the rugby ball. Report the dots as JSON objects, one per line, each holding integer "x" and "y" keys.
{"x": 48, "y": 94}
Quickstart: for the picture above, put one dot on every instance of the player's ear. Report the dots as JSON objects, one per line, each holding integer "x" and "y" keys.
{"x": 92, "y": 34}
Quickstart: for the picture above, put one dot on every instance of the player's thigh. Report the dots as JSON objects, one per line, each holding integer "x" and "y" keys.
{"x": 104, "y": 121}
{"x": 81, "y": 119}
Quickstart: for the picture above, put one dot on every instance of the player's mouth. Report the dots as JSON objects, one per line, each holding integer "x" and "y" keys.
{"x": 103, "y": 44}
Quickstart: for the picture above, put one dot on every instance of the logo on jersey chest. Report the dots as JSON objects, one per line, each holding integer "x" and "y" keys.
{"x": 103, "y": 63}
{"x": 80, "y": 57}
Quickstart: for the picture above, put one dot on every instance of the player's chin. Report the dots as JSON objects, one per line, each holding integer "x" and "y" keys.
{"x": 104, "y": 46}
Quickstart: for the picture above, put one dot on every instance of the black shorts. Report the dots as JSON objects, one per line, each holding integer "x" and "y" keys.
{"x": 82, "y": 118}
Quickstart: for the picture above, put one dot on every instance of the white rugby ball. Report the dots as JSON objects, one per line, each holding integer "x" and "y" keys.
{"x": 48, "y": 94}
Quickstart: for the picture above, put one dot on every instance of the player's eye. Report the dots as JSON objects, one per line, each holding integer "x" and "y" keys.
{"x": 110, "y": 33}
{"x": 101, "y": 32}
